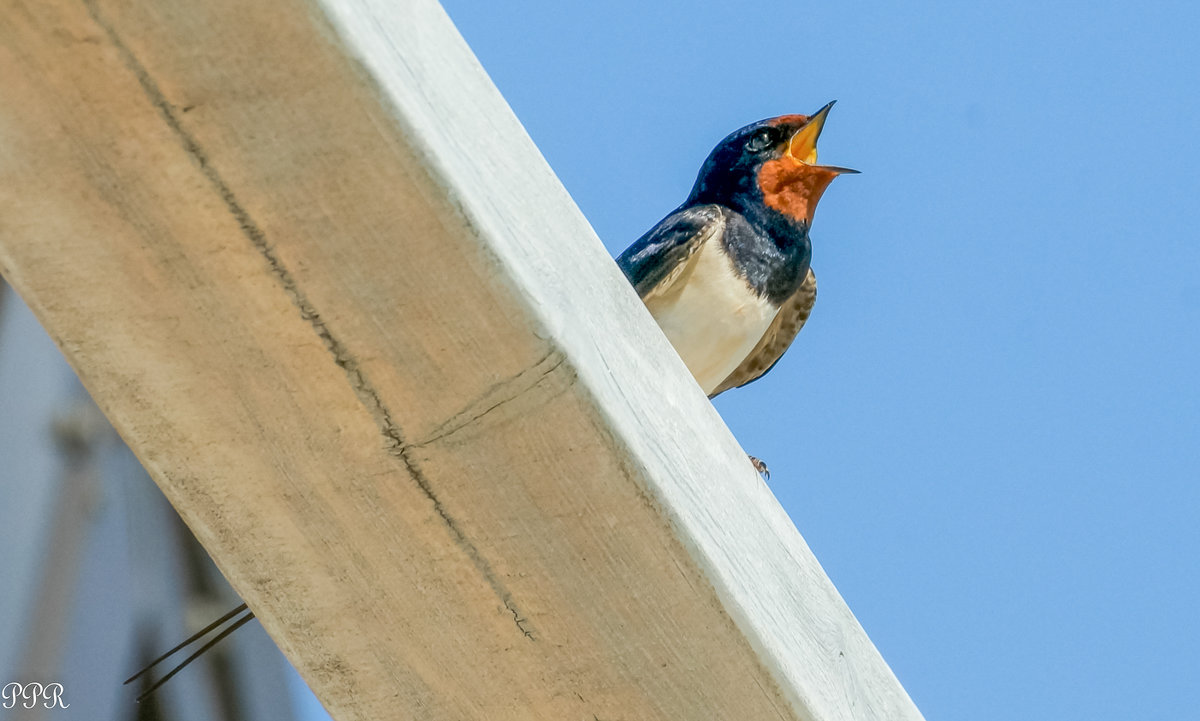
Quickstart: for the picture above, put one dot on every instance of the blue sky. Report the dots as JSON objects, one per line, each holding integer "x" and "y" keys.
{"x": 989, "y": 432}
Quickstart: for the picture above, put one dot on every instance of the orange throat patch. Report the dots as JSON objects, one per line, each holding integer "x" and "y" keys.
{"x": 793, "y": 188}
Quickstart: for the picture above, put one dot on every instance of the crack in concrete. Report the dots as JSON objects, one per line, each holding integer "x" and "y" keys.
{"x": 520, "y": 622}
{"x": 367, "y": 395}
{"x": 469, "y": 415}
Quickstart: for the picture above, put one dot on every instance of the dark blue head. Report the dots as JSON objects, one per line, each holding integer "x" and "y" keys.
{"x": 769, "y": 167}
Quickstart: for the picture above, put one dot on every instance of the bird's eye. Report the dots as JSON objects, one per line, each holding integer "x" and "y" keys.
{"x": 761, "y": 140}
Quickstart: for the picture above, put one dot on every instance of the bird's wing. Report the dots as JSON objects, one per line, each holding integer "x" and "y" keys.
{"x": 780, "y": 334}
{"x": 656, "y": 260}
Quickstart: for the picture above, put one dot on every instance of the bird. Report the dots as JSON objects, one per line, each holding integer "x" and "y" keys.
{"x": 726, "y": 275}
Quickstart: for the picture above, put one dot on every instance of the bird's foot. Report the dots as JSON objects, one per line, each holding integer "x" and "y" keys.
{"x": 760, "y": 467}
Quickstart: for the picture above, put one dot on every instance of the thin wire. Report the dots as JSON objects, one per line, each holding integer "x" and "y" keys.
{"x": 189, "y": 641}
{"x": 216, "y": 639}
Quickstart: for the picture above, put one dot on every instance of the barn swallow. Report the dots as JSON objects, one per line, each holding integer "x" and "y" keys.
{"x": 727, "y": 275}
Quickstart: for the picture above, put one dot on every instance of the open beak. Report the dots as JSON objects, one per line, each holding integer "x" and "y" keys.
{"x": 803, "y": 145}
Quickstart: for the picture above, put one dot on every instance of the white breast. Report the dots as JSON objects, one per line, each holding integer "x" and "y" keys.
{"x": 711, "y": 316}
